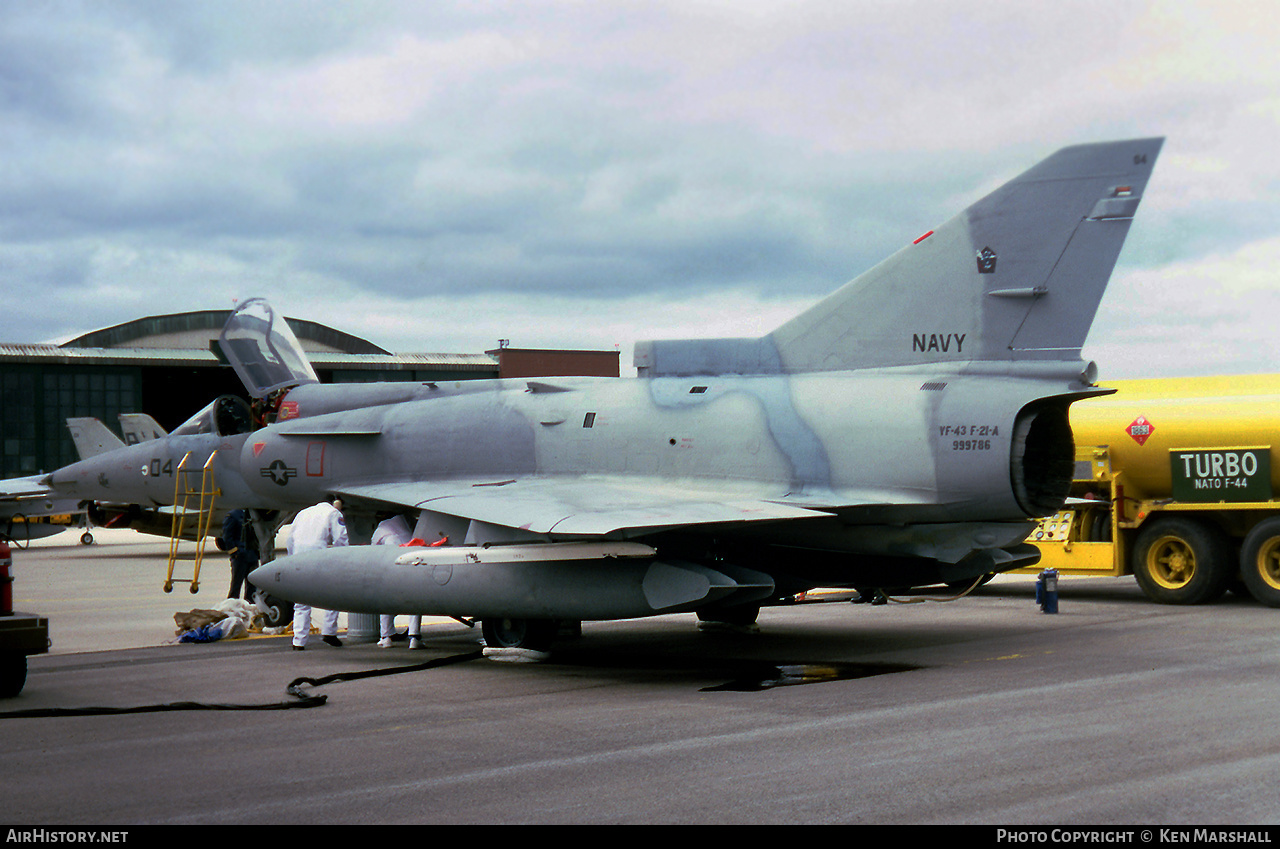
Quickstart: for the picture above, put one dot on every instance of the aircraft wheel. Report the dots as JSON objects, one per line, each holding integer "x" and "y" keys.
{"x": 279, "y": 612}
{"x": 86, "y": 538}
{"x": 1260, "y": 562}
{"x": 1182, "y": 561}
{"x": 532, "y": 634}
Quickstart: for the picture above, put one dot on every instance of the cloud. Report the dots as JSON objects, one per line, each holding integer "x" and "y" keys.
{"x": 506, "y": 164}
{"x": 1211, "y": 315}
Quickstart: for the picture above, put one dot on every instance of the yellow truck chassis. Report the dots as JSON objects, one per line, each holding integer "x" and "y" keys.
{"x": 1180, "y": 552}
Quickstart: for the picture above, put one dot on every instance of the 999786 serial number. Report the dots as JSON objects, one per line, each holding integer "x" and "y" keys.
{"x": 971, "y": 445}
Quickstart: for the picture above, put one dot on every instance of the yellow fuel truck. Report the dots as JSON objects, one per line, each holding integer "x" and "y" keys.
{"x": 1175, "y": 483}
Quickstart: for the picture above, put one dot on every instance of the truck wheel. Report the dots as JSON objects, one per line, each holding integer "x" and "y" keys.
{"x": 1182, "y": 561}
{"x": 13, "y": 673}
{"x": 1260, "y": 562}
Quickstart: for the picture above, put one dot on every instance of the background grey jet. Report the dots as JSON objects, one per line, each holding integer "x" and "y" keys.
{"x": 905, "y": 430}
{"x": 31, "y": 498}
{"x": 23, "y": 499}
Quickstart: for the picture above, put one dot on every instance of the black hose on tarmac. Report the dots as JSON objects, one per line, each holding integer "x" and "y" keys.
{"x": 295, "y": 689}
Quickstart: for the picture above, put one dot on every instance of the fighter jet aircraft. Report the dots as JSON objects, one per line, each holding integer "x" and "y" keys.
{"x": 23, "y": 500}
{"x": 142, "y": 484}
{"x": 29, "y": 498}
{"x": 906, "y": 430}
{"x": 142, "y": 501}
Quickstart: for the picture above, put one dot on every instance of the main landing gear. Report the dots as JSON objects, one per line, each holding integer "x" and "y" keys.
{"x": 530, "y": 634}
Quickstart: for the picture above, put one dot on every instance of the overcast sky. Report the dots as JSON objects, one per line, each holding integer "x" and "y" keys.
{"x": 435, "y": 176}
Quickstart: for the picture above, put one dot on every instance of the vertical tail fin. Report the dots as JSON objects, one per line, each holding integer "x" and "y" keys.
{"x": 1016, "y": 276}
{"x": 140, "y": 427}
{"x": 92, "y": 437}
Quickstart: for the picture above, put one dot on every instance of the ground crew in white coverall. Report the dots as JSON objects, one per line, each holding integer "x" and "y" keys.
{"x": 317, "y": 528}
{"x": 394, "y": 530}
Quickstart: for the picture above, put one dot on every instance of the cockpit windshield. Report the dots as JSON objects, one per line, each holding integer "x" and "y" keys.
{"x": 226, "y": 416}
{"x": 263, "y": 350}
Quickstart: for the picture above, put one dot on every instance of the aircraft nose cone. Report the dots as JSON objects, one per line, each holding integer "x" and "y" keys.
{"x": 268, "y": 573}
{"x": 66, "y": 476}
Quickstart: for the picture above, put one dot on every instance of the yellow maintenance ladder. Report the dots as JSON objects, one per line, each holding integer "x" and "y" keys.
{"x": 183, "y": 495}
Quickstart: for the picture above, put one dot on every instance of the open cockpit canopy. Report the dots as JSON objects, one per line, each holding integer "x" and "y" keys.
{"x": 263, "y": 350}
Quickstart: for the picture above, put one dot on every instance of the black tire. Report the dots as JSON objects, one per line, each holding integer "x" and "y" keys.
{"x": 1260, "y": 562}
{"x": 532, "y": 634}
{"x": 13, "y": 674}
{"x": 279, "y": 612}
{"x": 1182, "y": 561}
{"x": 1100, "y": 527}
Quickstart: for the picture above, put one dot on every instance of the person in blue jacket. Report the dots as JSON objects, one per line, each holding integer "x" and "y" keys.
{"x": 240, "y": 541}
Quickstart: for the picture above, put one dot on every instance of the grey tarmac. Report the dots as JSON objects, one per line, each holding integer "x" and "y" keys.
{"x": 982, "y": 710}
